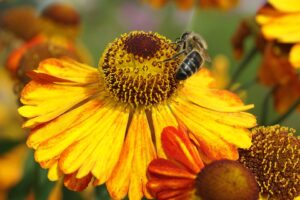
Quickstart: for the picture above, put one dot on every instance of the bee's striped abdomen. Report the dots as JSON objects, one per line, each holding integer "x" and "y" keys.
{"x": 189, "y": 65}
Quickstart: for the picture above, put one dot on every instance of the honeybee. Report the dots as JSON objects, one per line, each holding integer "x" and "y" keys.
{"x": 194, "y": 47}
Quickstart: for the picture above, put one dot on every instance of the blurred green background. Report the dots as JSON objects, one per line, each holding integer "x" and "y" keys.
{"x": 104, "y": 20}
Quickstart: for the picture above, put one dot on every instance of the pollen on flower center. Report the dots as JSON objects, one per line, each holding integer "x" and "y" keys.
{"x": 134, "y": 71}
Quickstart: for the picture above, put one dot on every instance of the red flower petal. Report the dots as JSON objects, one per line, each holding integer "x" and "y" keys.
{"x": 178, "y": 147}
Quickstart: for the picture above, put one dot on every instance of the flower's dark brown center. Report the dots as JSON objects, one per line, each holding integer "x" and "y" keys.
{"x": 226, "y": 180}
{"x": 134, "y": 71}
{"x": 274, "y": 158}
{"x": 142, "y": 45}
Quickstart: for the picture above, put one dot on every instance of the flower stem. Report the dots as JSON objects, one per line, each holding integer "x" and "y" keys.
{"x": 242, "y": 66}
{"x": 287, "y": 113}
{"x": 265, "y": 107}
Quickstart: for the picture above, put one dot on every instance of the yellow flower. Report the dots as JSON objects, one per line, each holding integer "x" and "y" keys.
{"x": 274, "y": 158}
{"x": 105, "y": 125}
{"x": 188, "y": 4}
{"x": 280, "y": 21}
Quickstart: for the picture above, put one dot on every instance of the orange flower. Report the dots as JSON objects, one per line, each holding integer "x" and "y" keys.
{"x": 60, "y": 19}
{"x": 56, "y": 19}
{"x": 276, "y": 71}
{"x": 21, "y": 21}
{"x": 175, "y": 178}
{"x": 188, "y": 4}
{"x": 105, "y": 125}
{"x": 184, "y": 177}
{"x": 279, "y": 21}
{"x": 27, "y": 57}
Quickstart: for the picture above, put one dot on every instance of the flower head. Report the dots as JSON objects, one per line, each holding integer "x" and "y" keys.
{"x": 274, "y": 158}
{"x": 280, "y": 22}
{"x": 105, "y": 125}
{"x": 57, "y": 19}
{"x": 60, "y": 19}
{"x": 276, "y": 71}
{"x": 184, "y": 176}
{"x": 22, "y": 21}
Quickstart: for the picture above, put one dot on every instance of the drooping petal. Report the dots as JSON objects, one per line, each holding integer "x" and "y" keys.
{"x": 129, "y": 175}
{"x": 290, "y": 6}
{"x": 43, "y": 101}
{"x": 214, "y": 99}
{"x": 160, "y": 185}
{"x": 167, "y": 168}
{"x": 178, "y": 147}
{"x": 63, "y": 122}
{"x": 71, "y": 182}
{"x": 232, "y": 127}
{"x": 110, "y": 148}
{"x": 81, "y": 155}
{"x": 162, "y": 117}
{"x": 54, "y": 172}
{"x": 55, "y": 145}
{"x": 212, "y": 145}
{"x": 295, "y": 56}
{"x": 67, "y": 71}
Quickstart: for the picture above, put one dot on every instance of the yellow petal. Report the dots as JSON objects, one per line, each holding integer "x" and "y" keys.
{"x": 110, "y": 148}
{"x": 58, "y": 143}
{"x": 63, "y": 122}
{"x": 214, "y": 99}
{"x": 162, "y": 117}
{"x": 232, "y": 133}
{"x": 295, "y": 56}
{"x": 286, "y": 6}
{"x": 129, "y": 176}
{"x": 201, "y": 79}
{"x": 43, "y": 102}
{"x": 66, "y": 70}
{"x": 54, "y": 172}
{"x": 285, "y": 28}
{"x": 234, "y": 119}
{"x": 87, "y": 152}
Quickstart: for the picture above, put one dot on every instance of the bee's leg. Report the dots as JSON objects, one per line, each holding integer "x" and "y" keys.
{"x": 176, "y": 55}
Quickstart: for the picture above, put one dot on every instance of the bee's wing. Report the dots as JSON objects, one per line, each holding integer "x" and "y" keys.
{"x": 206, "y": 56}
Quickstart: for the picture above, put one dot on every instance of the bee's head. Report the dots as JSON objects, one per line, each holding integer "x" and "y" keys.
{"x": 184, "y": 36}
